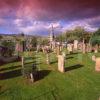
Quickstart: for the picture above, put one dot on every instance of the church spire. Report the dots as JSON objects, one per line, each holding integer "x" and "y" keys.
{"x": 52, "y": 34}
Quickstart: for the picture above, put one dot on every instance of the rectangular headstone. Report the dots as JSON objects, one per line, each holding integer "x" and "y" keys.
{"x": 61, "y": 63}
{"x": 97, "y": 66}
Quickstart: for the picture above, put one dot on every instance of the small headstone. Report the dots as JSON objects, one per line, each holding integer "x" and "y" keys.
{"x": 31, "y": 77}
{"x": 61, "y": 63}
{"x": 63, "y": 53}
{"x": 95, "y": 51}
{"x": 93, "y": 58}
{"x": 70, "y": 48}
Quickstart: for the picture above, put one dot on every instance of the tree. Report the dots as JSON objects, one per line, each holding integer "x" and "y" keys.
{"x": 95, "y": 38}
{"x": 97, "y": 33}
{"x": 9, "y": 45}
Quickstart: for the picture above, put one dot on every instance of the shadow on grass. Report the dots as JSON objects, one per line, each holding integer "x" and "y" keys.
{"x": 73, "y": 53}
{"x": 10, "y": 74}
{"x": 37, "y": 63}
{"x": 41, "y": 74}
{"x": 69, "y": 57}
{"x": 73, "y": 67}
{"x": 53, "y": 62}
{"x": 10, "y": 68}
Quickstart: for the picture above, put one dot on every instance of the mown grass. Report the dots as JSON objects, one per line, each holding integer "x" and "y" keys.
{"x": 79, "y": 82}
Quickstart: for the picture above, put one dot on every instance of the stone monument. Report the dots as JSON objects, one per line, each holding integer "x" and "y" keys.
{"x": 61, "y": 63}
{"x": 97, "y": 63}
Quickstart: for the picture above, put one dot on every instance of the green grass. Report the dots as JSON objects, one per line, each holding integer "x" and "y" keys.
{"x": 77, "y": 83}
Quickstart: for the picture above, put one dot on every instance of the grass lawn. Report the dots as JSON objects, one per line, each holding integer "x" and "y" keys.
{"x": 79, "y": 82}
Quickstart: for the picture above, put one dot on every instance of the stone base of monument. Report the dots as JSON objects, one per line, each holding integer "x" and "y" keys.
{"x": 61, "y": 63}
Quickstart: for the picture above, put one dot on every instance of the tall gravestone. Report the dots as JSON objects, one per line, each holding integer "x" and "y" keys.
{"x": 84, "y": 48}
{"x": 70, "y": 48}
{"x": 97, "y": 63}
{"x": 75, "y": 44}
{"x": 61, "y": 63}
{"x": 58, "y": 50}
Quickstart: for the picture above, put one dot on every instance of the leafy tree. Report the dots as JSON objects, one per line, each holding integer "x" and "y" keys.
{"x": 97, "y": 33}
{"x": 9, "y": 48}
{"x": 95, "y": 38}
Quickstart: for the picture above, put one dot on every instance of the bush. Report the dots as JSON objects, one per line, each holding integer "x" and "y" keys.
{"x": 8, "y": 48}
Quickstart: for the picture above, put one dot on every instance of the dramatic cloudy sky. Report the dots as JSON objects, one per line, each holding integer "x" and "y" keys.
{"x": 37, "y": 16}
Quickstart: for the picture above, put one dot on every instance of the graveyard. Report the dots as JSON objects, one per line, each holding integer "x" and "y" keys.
{"x": 49, "y": 49}
{"x": 59, "y": 75}
{"x": 79, "y": 82}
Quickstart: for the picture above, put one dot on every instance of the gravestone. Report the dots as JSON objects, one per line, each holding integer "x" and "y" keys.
{"x": 89, "y": 48}
{"x": 80, "y": 46}
{"x": 84, "y": 48}
{"x": 61, "y": 63}
{"x": 70, "y": 48}
{"x": 31, "y": 77}
{"x": 95, "y": 51}
{"x": 63, "y": 53}
{"x": 58, "y": 50}
{"x": 97, "y": 66}
{"x": 97, "y": 63}
{"x": 75, "y": 44}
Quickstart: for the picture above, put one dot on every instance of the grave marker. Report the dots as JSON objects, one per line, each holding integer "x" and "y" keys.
{"x": 97, "y": 63}
{"x": 61, "y": 63}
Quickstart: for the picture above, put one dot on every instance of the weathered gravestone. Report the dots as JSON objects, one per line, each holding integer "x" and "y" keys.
{"x": 84, "y": 48}
{"x": 58, "y": 50}
{"x": 70, "y": 48}
{"x": 75, "y": 44}
{"x": 61, "y": 63}
{"x": 97, "y": 63}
